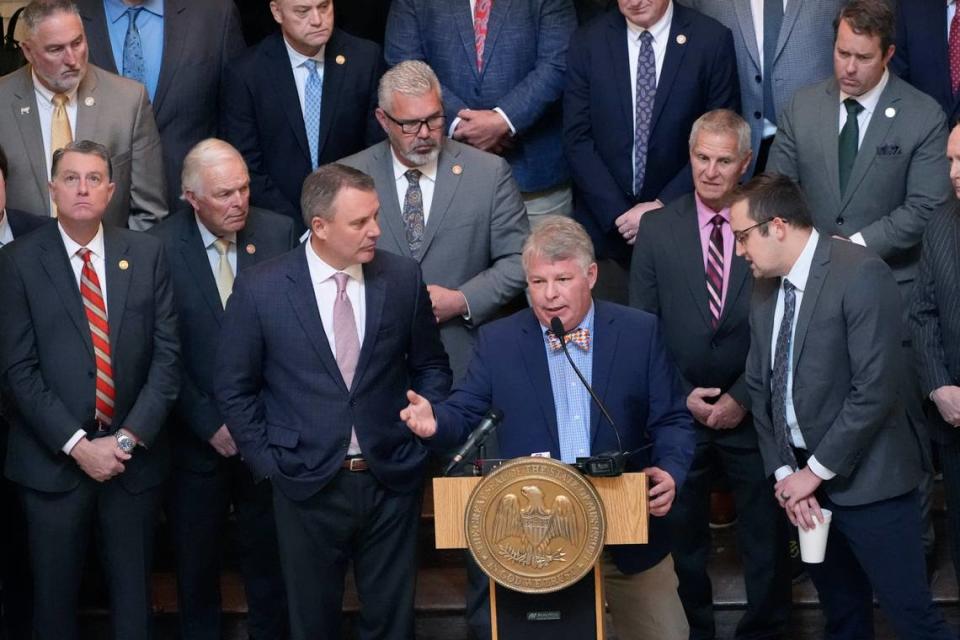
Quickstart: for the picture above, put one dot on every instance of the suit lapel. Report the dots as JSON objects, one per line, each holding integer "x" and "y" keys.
{"x": 116, "y": 250}
{"x": 375, "y": 284}
{"x": 443, "y": 192}
{"x": 672, "y": 61}
{"x": 739, "y": 274}
{"x": 464, "y": 23}
{"x": 336, "y": 64}
{"x": 830, "y": 138}
{"x": 620, "y": 60}
{"x": 95, "y": 25}
{"x": 304, "y": 302}
{"x": 195, "y": 257}
{"x": 390, "y": 211}
{"x": 745, "y": 21}
{"x": 57, "y": 266}
{"x": 789, "y": 22}
{"x": 24, "y": 106}
{"x": 88, "y": 107}
{"x": 285, "y": 89}
{"x": 686, "y": 235}
{"x": 766, "y": 303}
{"x": 818, "y": 271}
{"x": 534, "y": 356}
{"x": 175, "y": 26}
{"x": 877, "y": 130}
{"x": 606, "y": 335}
{"x": 247, "y": 255}
{"x": 498, "y": 15}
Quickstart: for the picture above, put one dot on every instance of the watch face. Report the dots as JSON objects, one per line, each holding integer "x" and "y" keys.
{"x": 125, "y": 443}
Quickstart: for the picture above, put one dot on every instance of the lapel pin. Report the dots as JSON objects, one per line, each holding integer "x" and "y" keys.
{"x": 456, "y": 169}
{"x": 340, "y": 59}
{"x": 124, "y": 265}
{"x": 681, "y": 39}
{"x": 251, "y": 248}
{"x": 24, "y": 111}
{"x": 89, "y": 101}
{"x": 890, "y": 112}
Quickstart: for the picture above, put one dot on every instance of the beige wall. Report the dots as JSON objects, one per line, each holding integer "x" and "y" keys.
{"x": 7, "y": 7}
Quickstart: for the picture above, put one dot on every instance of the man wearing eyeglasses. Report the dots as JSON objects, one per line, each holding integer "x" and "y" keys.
{"x": 453, "y": 208}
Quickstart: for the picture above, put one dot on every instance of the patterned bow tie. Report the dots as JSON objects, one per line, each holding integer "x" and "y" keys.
{"x": 579, "y": 337}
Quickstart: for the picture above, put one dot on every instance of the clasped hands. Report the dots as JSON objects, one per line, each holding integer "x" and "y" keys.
{"x": 100, "y": 458}
{"x": 795, "y": 494}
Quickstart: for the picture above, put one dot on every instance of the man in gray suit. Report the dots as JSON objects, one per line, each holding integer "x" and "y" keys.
{"x": 88, "y": 352}
{"x": 827, "y": 396}
{"x": 782, "y": 45}
{"x": 59, "y": 97}
{"x": 875, "y": 177}
{"x": 453, "y": 208}
{"x": 184, "y": 45}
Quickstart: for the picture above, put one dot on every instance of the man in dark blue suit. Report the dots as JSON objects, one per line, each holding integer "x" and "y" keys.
{"x": 206, "y": 245}
{"x": 317, "y": 349}
{"x": 13, "y": 222}
{"x": 301, "y": 98}
{"x": 501, "y": 66}
{"x": 636, "y": 81}
{"x": 922, "y": 58}
{"x": 518, "y": 367}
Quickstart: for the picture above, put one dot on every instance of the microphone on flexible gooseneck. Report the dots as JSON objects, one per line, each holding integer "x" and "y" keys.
{"x": 602, "y": 464}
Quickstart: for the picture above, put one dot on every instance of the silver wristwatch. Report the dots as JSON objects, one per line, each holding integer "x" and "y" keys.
{"x": 125, "y": 442}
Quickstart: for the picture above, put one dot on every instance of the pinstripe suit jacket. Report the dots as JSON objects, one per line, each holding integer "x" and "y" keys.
{"x": 935, "y": 309}
{"x": 804, "y": 52}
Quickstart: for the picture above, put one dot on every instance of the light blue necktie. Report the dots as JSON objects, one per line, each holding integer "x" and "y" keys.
{"x": 311, "y": 110}
{"x": 133, "y": 48}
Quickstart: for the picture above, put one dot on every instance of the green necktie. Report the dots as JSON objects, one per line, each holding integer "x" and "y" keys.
{"x": 849, "y": 141}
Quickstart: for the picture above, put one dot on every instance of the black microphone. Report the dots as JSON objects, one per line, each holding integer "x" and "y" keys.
{"x": 490, "y": 422}
{"x": 604, "y": 464}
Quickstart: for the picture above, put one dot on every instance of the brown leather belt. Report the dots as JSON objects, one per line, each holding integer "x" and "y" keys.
{"x": 355, "y": 464}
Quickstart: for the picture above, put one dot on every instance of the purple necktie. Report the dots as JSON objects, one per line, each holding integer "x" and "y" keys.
{"x": 646, "y": 93}
{"x": 715, "y": 270}
{"x": 346, "y": 341}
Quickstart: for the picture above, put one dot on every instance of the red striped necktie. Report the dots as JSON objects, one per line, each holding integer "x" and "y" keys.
{"x": 481, "y": 15}
{"x": 96, "y": 312}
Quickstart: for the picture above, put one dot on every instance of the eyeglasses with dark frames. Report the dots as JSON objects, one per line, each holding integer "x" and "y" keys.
{"x": 411, "y": 127}
{"x": 742, "y": 235}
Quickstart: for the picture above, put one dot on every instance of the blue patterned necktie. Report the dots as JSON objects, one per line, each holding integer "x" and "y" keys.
{"x": 133, "y": 48}
{"x": 413, "y": 212}
{"x": 312, "y": 95}
{"x": 781, "y": 368}
{"x": 646, "y": 93}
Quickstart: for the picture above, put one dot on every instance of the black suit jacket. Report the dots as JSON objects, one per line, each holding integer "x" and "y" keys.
{"x": 46, "y": 355}
{"x": 935, "y": 310}
{"x": 667, "y": 278}
{"x": 22, "y": 223}
{"x": 921, "y": 57}
{"x": 199, "y": 39}
{"x": 699, "y": 74}
{"x": 262, "y": 118}
{"x": 196, "y": 417}
{"x": 280, "y": 389}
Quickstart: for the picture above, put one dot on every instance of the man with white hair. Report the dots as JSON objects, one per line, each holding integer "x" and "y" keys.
{"x": 205, "y": 246}
{"x": 453, "y": 208}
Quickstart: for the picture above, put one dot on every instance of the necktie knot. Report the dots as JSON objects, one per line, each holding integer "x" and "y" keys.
{"x": 718, "y": 221}
{"x": 646, "y": 37}
{"x": 311, "y": 66}
{"x": 413, "y": 176}
{"x": 579, "y": 337}
{"x": 85, "y": 254}
{"x": 341, "y": 279}
{"x": 60, "y": 100}
{"x": 132, "y": 13}
{"x": 222, "y": 245}
{"x": 788, "y": 287}
{"x": 853, "y": 107}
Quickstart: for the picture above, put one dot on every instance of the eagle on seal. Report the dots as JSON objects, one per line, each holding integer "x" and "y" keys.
{"x": 535, "y": 526}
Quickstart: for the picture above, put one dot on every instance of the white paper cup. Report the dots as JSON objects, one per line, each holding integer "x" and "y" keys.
{"x": 813, "y": 543}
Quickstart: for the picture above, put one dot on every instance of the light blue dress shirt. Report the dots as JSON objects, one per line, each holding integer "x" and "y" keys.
{"x": 150, "y": 25}
{"x": 570, "y": 399}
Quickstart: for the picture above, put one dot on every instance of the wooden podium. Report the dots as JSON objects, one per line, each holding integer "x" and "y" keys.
{"x": 559, "y": 615}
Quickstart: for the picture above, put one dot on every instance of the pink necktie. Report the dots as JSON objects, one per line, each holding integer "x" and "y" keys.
{"x": 481, "y": 15}
{"x": 346, "y": 340}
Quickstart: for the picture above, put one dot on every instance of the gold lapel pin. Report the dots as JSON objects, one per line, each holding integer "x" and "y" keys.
{"x": 89, "y": 101}
{"x": 456, "y": 169}
{"x": 340, "y": 59}
{"x": 890, "y": 112}
{"x": 251, "y": 248}
{"x": 24, "y": 111}
{"x": 681, "y": 39}
{"x": 124, "y": 265}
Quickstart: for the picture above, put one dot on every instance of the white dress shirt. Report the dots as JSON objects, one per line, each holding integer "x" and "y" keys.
{"x": 6, "y": 233}
{"x": 45, "y": 113}
{"x": 798, "y": 276}
{"x": 427, "y": 183}
{"x": 98, "y": 259}
{"x": 300, "y": 73}
{"x": 213, "y": 256}
{"x": 951, "y": 10}
{"x": 756, "y": 9}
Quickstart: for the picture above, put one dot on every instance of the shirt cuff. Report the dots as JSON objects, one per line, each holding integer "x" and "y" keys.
{"x": 513, "y": 129}
{"x": 72, "y": 442}
{"x": 453, "y": 126}
{"x": 857, "y": 238}
{"x": 819, "y": 470}
{"x": 465, "y": 316}
{"x": 783, "y": 472}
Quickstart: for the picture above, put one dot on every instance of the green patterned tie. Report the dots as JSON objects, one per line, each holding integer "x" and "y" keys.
{"x": 849, "y": 141}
